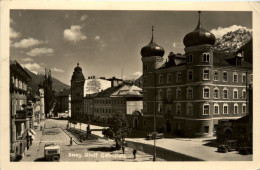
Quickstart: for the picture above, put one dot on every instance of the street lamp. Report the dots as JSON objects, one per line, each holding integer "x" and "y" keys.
{"x": 154, "y": 119}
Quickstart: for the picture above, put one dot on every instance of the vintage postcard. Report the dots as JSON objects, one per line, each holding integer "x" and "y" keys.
{"x": 104, "y": 84}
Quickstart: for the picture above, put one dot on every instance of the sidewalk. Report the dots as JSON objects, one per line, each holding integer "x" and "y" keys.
{"x": 30, "y": 155}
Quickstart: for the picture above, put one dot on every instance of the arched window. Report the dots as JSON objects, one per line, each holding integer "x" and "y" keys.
{"x": 206, "y": 74}
{"x": 205, "y": 57}
{"x": 160, "y": 94}
{"x": 189, "y": 74}
{"x": 235, "y": 77}
{"x": 169, "y": 94}
{"x": 216, "y": 108}
{"x": 235, "y": 108}
{"x": 244, "y": 108}
{"x": 178, "y": 93}
{"x": 189, "y": 109}
{"x": 178, "y": 108}
{"x": 225, "y": 108}
{"x": 189, "y": 93}
{"x": 206, "y": 110}
{"x": 235, "y": 93}
{"x": 169, "y": 78}
{"x": 206, "y": 92}
{"x": 244, "y": 94}
{"x": 216, "y": 93}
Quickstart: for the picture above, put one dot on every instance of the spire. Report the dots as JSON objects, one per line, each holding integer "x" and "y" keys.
{"x": 199, "y": 25}
{"x": 152, "y": 34}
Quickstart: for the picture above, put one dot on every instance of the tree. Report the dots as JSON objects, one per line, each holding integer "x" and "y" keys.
{"x": 118, "y": 129}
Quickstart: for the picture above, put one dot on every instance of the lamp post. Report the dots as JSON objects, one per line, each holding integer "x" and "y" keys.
{"x": 154, "y": 118}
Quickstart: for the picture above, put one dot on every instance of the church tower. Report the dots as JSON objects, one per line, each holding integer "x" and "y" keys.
{"x": 77, "y": 93}
{"x": 199, "y": 71}
{"x": 152, "y": 58}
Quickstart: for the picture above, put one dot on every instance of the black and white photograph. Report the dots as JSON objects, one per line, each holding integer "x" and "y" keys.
{"x": 117, "y": 85}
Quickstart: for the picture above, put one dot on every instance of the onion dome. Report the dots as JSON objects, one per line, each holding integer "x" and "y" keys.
{"x": 77, "y": 74}
{"x": 152, "y": 49}
{"x": 199, "y": 36}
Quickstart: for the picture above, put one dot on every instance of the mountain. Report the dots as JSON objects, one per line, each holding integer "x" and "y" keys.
{"x": 38, "y": 78}
{"x": 233, "y": 40}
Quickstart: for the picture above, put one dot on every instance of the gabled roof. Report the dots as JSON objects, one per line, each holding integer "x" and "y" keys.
{"x": 16, "y": 67}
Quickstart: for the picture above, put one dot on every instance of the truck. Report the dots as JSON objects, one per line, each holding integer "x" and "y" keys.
{"x": 52, "y": 152}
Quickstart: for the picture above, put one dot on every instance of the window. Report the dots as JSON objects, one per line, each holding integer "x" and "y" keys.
{"x": 205, "y": 74}
{"x": 178, "y": 108}
{"x": 189, "y": 109}
{"x": 205, "y": 57}
{"x": 179, "y": 77}
{"x": 225, "y": 108}
{"x": 160, "y": 107}
{"x": 225, "y": 76}
{"x": 216, "y": 76}
{"x": 235, "y": 108}
{"x": 145, "y": 80}
{"x": 189, "y": 93}
{"x": 225, "y": 93}
{"x": 206, "y": 129}
{"x": 243, "y": 78}
{"x": 178, "y": 93}
{"x": 169, "y": 78}
{"x": 235, "y": 94}
{"x": 244, "y": 94}
{"x": 160, "y": 94}
{"x": 189, "y": 58}
{"x": 216, "y": 90}
{"x": 216, "y": 108}
{"x": 160, "y": 79}
{"x": 206, "y": 109}
{"x": 169, "y": 94}
{"x": 244, "y": 108}
{"x": 206, "y": 92}
{"x": 190, "y": 75}
{"x": 235, "y": 77}
{"x": 251, "y": 78}
{"x": 145, "y": 67}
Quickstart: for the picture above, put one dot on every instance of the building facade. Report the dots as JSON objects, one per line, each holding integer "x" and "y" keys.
{"x": 189, "y": 93}
{"x": 19, "y": 116}
{"x": 63, "y": 102}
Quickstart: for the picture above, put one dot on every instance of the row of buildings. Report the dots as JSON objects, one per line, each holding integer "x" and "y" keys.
{"x": 96, "y": 99}
{"x": 26, "y": 111}
{"x": 187, "y": 95}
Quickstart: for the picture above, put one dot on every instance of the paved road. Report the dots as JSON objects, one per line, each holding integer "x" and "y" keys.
{"x": 93, "y": 152}
{"x": 194, "y": 147}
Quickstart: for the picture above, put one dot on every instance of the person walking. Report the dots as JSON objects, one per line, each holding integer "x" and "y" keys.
{"x": 134, "y": 153}
{"x": 123, "y": 149}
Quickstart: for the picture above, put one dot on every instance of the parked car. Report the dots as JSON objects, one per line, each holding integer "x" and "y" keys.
{"x": 224, "y": 148}
{"x": 245, "y": 150}
{"x": 52, "y": 152}
{"x": 232, "y": 144}
{"x": 155, "y": 135}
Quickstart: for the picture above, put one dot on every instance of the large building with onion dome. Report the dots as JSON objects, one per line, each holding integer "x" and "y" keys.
{"x": 188, "y": 94}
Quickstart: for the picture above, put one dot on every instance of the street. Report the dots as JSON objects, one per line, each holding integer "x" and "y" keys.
{"x": 99, "y": 151}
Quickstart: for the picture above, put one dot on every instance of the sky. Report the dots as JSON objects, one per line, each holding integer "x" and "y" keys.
{"x": 105, "y": 43}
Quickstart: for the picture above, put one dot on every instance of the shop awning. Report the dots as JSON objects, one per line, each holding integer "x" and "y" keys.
{"x": 33, "y": 132}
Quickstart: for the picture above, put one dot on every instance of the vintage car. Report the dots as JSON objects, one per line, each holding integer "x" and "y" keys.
{"x": 245, "y": 150}
{"x": 52, "y": 152}
{"x": 224, "y": 148}
{"x": 154, "y": 135}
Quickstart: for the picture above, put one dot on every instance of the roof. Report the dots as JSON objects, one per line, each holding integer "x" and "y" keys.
{"x": 109, "y": 91}
{"x": 16, "y": 67}
{"x": 128, "y": 91}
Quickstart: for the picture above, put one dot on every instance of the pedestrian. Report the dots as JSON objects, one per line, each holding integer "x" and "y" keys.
{"x": 134, "y": 153}
{"x": 41, "y": 128}
{"x": 123, "y": 149}
{"x": 70, "y": 141}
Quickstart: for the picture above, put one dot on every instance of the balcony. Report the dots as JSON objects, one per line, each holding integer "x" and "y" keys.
{"x": 21, "y": 115}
